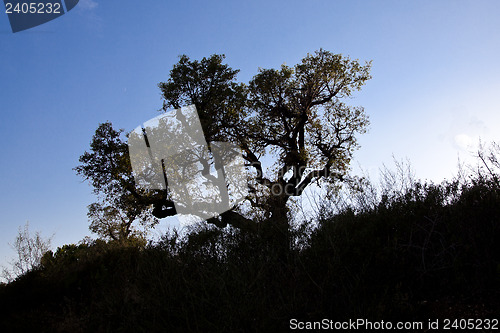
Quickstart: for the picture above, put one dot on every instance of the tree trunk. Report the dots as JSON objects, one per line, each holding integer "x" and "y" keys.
{"x": 277, "y": 227}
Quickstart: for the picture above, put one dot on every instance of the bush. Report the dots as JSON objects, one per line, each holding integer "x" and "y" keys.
{"x": 429, "y": 251}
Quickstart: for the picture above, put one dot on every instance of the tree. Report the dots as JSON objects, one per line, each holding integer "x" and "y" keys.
{"x": 298, "y": 112}
{"x": 295, "y": 115}
{"x": 120, "y": 209}
{"x": 117, "y": 224}
{"x": 30, "y": 249}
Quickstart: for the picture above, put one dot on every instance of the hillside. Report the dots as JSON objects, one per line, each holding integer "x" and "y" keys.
{"x": 430, "y": 252}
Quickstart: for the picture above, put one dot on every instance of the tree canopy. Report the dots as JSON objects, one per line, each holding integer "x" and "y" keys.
{"x": 296, "y": 116}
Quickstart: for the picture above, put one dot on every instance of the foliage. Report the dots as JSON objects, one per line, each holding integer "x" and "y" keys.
{"x": 29, "y": 250}
{"x": 296, "y": 116}
{"x": 298, "y": 113}
{"x": 427, "y": 251}
{"x": 118, "y": 214}
{"x": 211, "y": 86}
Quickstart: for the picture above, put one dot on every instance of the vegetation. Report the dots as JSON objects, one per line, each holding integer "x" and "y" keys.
{"x": 431, "y": 251}
{"x": 404, "y": 250}
{"x": 295, "y": 116}
{"x": 29, "y": 250}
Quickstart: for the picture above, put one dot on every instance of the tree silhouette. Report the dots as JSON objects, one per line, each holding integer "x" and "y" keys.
{"x": 30, "y": 248}
{"x": 120, "y": 209}
{"x": 295, "y": 116}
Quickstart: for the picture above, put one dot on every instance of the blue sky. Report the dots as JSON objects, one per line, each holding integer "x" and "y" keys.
{"x": 434, "y": 89}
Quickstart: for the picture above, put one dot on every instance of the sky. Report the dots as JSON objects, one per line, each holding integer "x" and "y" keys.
{"x": 434, "y": 92}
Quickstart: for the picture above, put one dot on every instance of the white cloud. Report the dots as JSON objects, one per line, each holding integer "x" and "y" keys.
{"x": 464, "y": 141}
{"x": 87, "y": 4}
